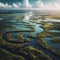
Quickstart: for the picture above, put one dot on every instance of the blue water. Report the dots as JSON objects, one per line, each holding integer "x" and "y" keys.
{"x": 55, "y": 31}
{"x": 33, "y": 44}
{"x": 20, "y": 25}
{"x": 54, "y": 45}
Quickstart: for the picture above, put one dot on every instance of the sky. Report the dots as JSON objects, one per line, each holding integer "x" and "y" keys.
{"x": 31, "y": 1}
{"x": 30, "y": 4}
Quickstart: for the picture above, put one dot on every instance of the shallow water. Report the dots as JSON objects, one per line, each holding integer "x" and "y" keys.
{"x": 19, "y": 24}
{"x": 6, "y": 21}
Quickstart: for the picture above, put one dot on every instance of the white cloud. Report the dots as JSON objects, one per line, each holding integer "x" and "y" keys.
{"x": 4, "y": 5}
{"x": 16, "y": 5}
{"x": 49, "y": 6}
{"x": 37, "y": 5}
{"x": 53, "y": 6}
{"x": 26, "y": 4}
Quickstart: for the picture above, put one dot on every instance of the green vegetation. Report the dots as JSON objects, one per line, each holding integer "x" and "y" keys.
{"x": 6, "y": 55}
{"x": 41, "y": 41}
{"x": 11, "y": 45}
{"x": 35, "y": 54}
{"x": 55, "y": 40}
{"x": 20, "y": 44}
{"x": 11, "y": 26}
{"x": 31, "y": 35}
{"x": 43, "y": 34}
{"x": 19, "y": 38}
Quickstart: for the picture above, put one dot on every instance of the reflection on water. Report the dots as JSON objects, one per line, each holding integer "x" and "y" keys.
{"x": 27, "y": 16}
{"x": 19, "y": 21}
{"x": 15, "y": 21}
{"x": 28, "y": 23}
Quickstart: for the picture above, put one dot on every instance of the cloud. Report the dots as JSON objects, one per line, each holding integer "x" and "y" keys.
{"x": 26, "y": 4}
{"x": 53, "y": 6}
{"x": 37, "y": 5}
{"x": 4, "y": 5}
{"x": 16, "y": 5}
{"x": 48, "y": 6}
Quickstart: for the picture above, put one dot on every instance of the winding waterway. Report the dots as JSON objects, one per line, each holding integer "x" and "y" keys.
{"x": 5, "y": 22}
